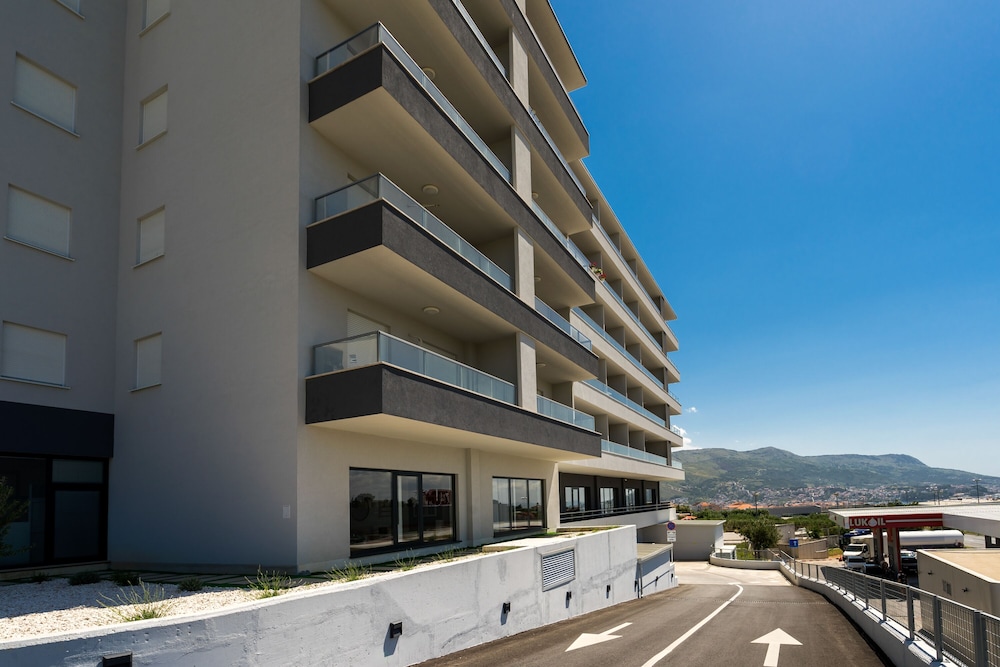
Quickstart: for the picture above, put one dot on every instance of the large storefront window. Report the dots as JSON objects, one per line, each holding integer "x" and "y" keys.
{"x": 65, "y": 510}
{"x": 517, "y": 504}
{"x": 397, "y": 510}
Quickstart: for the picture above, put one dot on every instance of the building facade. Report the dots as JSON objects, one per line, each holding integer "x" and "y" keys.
{"x": 287, "y": 284}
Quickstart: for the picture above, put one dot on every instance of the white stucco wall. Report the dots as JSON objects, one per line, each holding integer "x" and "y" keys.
{"x": 443, "y": 608}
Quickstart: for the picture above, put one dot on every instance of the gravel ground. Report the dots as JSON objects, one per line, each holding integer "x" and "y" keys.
{"x": 29, "y": 610}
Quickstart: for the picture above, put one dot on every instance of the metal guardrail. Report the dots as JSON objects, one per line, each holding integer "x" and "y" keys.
{"x": 581, "y": 515}
{"x": 963, "y": 635}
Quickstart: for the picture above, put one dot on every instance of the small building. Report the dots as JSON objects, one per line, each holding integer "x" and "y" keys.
{"x": 967, "y": 576}
{"x": 698, "y": 539}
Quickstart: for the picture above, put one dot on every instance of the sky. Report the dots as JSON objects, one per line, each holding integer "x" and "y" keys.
{"x": 816, "y": 187}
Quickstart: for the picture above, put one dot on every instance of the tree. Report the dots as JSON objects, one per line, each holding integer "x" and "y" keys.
{"x": 761, "y": 533}
{"x": 10, "y": 509}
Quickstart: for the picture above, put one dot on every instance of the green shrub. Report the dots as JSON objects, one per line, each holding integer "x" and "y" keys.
{"x": 190, "y": 585}
{"x": 130, "y": 605}
{"x": 124, "y": 578}
{"x": 81, "y": 578}
{"x": 350, "y": 572}
{"x": 269, "y": 584}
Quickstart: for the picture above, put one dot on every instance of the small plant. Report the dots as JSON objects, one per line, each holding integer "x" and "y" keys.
{"x": 447, "y": 556}
{"x": 81, "y": 578}
{"x": 269, "y": 584}
{"x": 132, "y": 606}
{"x": 124, "y": 578}
{"x": 40, "y": 577}
{"x": 407, "y": 562}
{"x": 190, "y": 585}
{"x": 350, "y": 572}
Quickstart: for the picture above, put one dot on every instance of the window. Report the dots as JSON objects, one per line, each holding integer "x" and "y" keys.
{"x": 148, "y": 359}
{"x": 630, "y": 497}
{"x": 73, "y": 5}
{"x": 154, "y": 117}
{"x": 32, "y": 354}
{"x": 393, "y": 510}
{"x": 37, "y": 222}
{"x": 149, "y": 239}
{"x": 607, "y": 499}
{"x": 576, "y": 498}
{"x": 517, "y": 504}
{"x": 650, "y": 496}
{"x": 153, "y": 11}
{"x": 44, "y": 94}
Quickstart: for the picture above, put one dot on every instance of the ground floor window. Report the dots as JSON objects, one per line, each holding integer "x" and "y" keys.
{"x": 392, "y": 510}
{"x": 607, "y": 499}
{"x": 576, "y": 498}
{"x": 630, "y": 497}
{"x": 63, "y": 508}
{"x": 517, "y": 504}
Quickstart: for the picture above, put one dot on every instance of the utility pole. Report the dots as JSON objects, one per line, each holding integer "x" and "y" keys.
{"x": 977, "y": 480}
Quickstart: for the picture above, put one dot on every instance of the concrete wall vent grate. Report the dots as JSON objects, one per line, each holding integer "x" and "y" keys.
{"x": 558, "y": 568}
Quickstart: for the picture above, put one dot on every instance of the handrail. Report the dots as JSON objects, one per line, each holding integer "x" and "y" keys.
{"x": 599, "y": 330}
{"x": 549, "y": 313}
{"x": 377, "y": 187}
{"x": 379, "y": 347}
{"x": 379, "y": 34}
{"x": 619, "y": 397}
{"x": 583, "y": 515}
{"x": 562, "y": 238}
{"x": 480, "y": 36}
{"x": 633, "y": 453}
{"x": 564, "y": 413}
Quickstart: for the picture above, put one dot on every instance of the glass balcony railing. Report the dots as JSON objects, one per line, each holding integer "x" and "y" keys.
{"x": 635, "y": 318}
{"x": 552, "y": 316}
{"x": 599, "y": 330}
{"x": 379, "y": 34}
{"x": 552, "y": 144}
{"x": 618, "y": 251}
{"x": 626, "y": 401}
{"x": 479, "y": 35}
{"x": 632, "y": 453}
{"x": 564, "y": 413}
{"x": 378, "y": 347}
{"x": 379, "y": 187}
{"x": 565, "y": 240}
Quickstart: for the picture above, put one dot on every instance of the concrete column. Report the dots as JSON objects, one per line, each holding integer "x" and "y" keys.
{"x": 527, "y": 383}
{"x": 517, "y": 68}
{"x": 473, "y": 518}
{"x": 520, "y": 164}
{"x": 524, "y": 267}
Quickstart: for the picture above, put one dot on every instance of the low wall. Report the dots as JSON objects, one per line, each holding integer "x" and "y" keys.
{"x": 443, "y": 608}
{"x": 744, "y": 564}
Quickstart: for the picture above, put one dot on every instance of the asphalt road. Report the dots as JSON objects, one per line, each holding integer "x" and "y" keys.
{"x": 713, "y": 620}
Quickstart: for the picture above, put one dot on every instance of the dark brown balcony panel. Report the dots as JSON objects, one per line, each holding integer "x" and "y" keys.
{"x": 356, "y": 80}
{"x": 389, "y": 401}
{"x": 380, "y": 224}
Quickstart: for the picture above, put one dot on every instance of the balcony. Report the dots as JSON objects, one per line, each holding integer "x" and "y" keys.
{"x": 555, "y": 318}
{"x": 423, "y": 262}
{"x": 622, "y": 399}
{"x": 564, "y": 413}
{"x": 378, "y": 107}
{"x": 376, "y": 383}
{"x": 598, "y": 516}
{"x": 610, "y": 340}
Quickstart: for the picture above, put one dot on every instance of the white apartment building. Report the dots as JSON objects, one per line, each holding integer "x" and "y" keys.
{"x": 290, "y": 283}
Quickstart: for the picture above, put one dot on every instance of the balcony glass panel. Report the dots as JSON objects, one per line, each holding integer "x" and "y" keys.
{"x": 552, "y": 316}
{"x": 625, "y": 400}
{"x": 379, "y": 34}
{"x": 564, "y": 413}
{"x": 552, "y": 143}
{"x": 632, "y": 453}
{"x": 378, "y": 347}
{"x": 479, "y": 35}
{"x": 565, "y": 240}
{"x": 635, "y": 318}
{"x": 379, "y": 187}
{"x": 618, "y": 346}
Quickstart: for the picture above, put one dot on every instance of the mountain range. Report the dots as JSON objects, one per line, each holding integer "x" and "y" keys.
{"x": 725, "y": 473}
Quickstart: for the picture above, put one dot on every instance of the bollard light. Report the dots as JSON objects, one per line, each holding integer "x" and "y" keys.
{"x": 505, "y": 609}
{"x": 395, "y": 629}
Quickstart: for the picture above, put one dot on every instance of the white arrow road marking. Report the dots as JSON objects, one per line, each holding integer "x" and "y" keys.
{"x": 774, "y": 640}
{"x": 665, "y": 652}
{"x": 587, "y": 639}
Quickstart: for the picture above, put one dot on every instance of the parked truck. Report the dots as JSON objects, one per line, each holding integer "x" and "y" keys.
{"x": 915, "y": 539}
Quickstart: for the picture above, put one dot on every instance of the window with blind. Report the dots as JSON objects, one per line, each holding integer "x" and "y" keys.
{"x": 148, "y": 361}
{"x": 44, "y": 94}
{"x": 150, "y": 236}
{"x": 37, "y": 355}
{"x": 37, "y": 221}
{"x": 154, "y": 117}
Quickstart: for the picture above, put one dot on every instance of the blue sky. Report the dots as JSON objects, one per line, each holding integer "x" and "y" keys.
{"x": 817, "y": 188}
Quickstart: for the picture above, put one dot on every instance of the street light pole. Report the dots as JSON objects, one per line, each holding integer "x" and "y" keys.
{"x": 977, "y": 489}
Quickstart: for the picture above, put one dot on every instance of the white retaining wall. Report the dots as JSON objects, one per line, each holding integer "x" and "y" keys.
{"x": 443, "y": 608}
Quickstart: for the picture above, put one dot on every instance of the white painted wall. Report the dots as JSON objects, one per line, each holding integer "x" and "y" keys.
{"x": 443, "y": 608}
